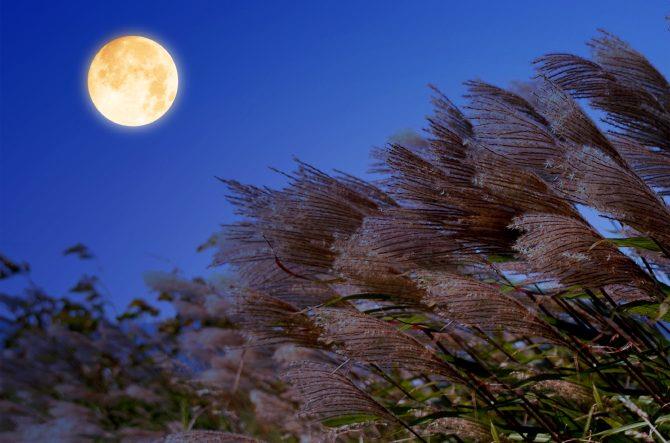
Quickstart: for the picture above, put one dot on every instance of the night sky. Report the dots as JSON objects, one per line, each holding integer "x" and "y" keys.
{"x": 260, "y": 82}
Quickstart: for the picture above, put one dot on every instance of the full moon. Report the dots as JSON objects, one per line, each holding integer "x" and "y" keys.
{"x": 132, "y": 81}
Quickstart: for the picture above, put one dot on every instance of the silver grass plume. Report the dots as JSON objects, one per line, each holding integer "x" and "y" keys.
{"x": 364, "y": 338}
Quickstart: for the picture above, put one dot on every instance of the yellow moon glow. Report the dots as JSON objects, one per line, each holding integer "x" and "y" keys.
{"x": 132, "y": 81}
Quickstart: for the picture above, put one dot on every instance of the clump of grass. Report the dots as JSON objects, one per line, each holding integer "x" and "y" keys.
{"x": 466, "y": 284}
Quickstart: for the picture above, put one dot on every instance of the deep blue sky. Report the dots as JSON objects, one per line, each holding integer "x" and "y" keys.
{"x": 260, "y": 82}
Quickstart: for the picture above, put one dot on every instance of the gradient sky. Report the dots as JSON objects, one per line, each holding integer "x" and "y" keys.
{"x": 260, "y": 82}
